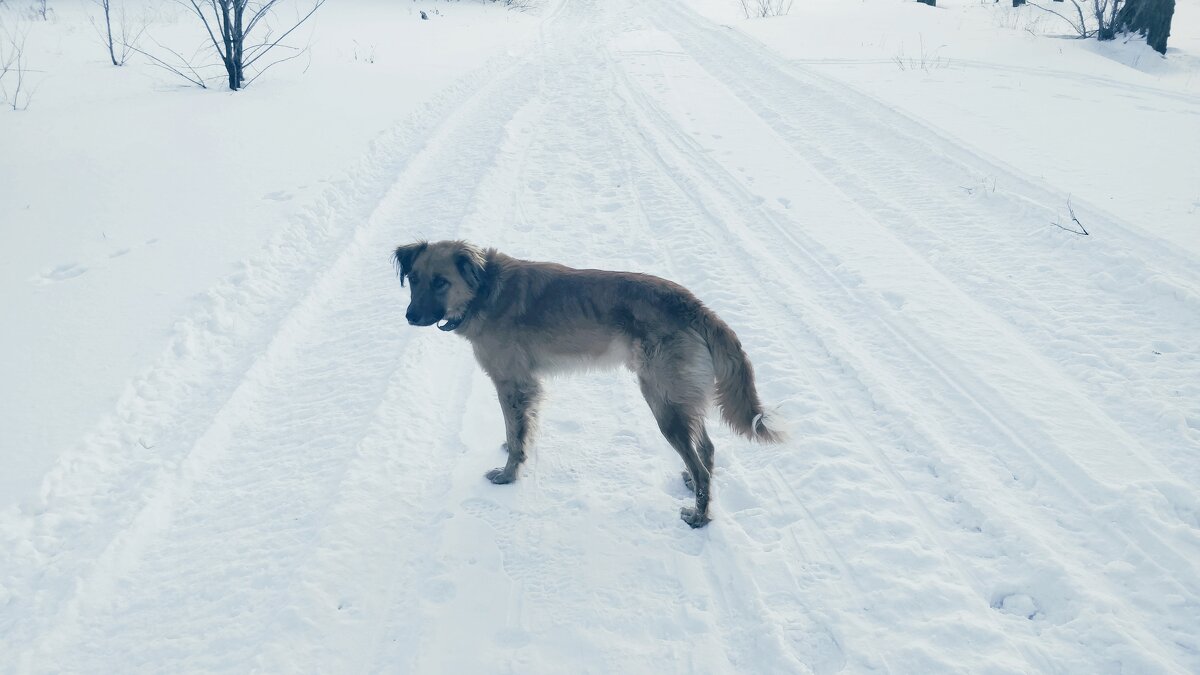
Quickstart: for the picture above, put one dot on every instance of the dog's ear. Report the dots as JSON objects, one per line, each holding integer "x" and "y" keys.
{"x": 471, "y": 264}
{"x": 405, "y": 256}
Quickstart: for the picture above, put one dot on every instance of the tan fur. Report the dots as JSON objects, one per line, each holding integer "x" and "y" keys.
{"x": 527, "y": 319}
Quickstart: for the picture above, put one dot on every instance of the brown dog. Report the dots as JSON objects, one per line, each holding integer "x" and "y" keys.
{"x": 527, "y": 319}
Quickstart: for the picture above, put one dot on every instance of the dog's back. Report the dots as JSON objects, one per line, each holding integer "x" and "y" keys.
{"x": 565, "y": 317}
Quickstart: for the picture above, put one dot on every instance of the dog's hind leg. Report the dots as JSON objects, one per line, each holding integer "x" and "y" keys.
{"x": 704, "y": 448}
{"x": 518, "y": 403}
{"x": 677, "y": 425}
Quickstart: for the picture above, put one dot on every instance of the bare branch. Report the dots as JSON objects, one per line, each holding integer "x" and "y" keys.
{"x": 12, "y": 62}
{"x": 277, "y": 61}
{"x": 195, "y": 77}
{"x": 315, "y": 7}
{"x": 264, "y": 10}
{"x": 200, "y": 13}
{"x": 1080, "y": 28}
{"x": 1081, "y": 231}
{"x": 1082, "y": 22}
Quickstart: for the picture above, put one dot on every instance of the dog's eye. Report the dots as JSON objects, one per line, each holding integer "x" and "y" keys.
{"x": 440, "y": 282}
{"x": 413, "y": 278}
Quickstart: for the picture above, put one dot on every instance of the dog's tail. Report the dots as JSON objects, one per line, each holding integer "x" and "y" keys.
{"x": 736, "y": 396}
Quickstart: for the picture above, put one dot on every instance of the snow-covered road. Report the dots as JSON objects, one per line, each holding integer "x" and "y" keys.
{"x": 995, "y": 423}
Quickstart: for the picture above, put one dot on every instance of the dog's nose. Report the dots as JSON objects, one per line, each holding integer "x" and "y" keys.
{"x": 412, "y": 317}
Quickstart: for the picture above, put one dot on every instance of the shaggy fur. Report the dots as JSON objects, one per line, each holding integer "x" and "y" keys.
{"x": 528, "y": 319}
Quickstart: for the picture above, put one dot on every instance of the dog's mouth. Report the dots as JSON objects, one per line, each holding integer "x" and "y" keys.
{"x": 451, "y": 324}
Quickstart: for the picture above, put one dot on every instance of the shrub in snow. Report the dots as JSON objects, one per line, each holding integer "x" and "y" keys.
{"x": 1104, "y": 19}
{"x": 121, "y": 44}
{"x": 232, "y": 29}
{"x": 765, "y": 8}
{"x": 14, "y": 89}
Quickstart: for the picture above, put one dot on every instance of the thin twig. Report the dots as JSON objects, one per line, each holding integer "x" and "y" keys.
{"x": 200, "y": 13}
{"x": 316, "y": 6}
{"x": 195, "y": 77}
{"x": 1080, "y": 28}
{"x": 278, "y": 61}
{"x": 1081, "y": 231}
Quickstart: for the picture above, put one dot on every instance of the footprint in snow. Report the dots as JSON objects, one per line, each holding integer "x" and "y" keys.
{"x": 567, "y": 425}
{"x": 1018, "y": 604}
{"x": 624, "y": 436}
{"x": 439, "y": 591}
{"x": 894, "y": 299}
{"x": 61, "y": 273}
{"x": 1162, "y": 347}
{"x": 513, "y": 637}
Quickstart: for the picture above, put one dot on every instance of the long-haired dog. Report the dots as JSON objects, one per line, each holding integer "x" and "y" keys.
{"x": 528, "y": 319}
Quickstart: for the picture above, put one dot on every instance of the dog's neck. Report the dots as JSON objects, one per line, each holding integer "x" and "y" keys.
{"x": 488, "y": 284}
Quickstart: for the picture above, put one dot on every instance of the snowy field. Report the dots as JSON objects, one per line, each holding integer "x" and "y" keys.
{"x": 223, "y": 450}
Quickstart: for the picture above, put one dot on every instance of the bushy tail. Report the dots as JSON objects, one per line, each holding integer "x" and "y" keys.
{"x": 736, "y": 396}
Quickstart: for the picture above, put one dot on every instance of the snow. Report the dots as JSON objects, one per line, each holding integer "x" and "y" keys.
{"x": 225, "y": 451}
{"x": 1046, "y": 107}
{"x": 146, "y": 232}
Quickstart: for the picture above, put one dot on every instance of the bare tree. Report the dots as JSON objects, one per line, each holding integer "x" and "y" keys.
{"x": 122, "y": 44}
{"x": 765, "y": 8}
{"x": 1099, "y": 21}
{"x": 1079, "y": 24}
{"x": 230, "y": 25}
{"x": 13, "y": 68}
{"x": 1106, "y": 18}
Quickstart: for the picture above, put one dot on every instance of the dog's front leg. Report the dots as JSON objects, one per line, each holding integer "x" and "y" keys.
{"x": 518, "y": 402}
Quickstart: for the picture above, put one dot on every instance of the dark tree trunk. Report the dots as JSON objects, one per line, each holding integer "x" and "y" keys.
{"x": 1149, "y": 18}
{"x": 233, "y": 37}
{"x": 239, "y": 43}
{"x": 1104, "y": 28}
{"x": 1018, "y": 3}
{"x": 108, "y": 30}
{"x": 227, "y": 27}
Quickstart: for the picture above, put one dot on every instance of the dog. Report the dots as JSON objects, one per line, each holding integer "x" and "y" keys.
{"x": 526, "y": 320}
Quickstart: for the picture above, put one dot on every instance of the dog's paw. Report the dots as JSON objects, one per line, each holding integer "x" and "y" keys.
{"x": 691, "y": 516}
{"x": 499, "y": 477}
{"x": 687, "y": 480}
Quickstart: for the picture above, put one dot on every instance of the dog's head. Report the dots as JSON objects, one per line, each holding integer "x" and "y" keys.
{"x": 444, "y": 277}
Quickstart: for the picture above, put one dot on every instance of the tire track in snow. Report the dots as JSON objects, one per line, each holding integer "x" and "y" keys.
{"x": 243, "y": 456}
{"x": 1158, "y": 301}
{"x": 1123, "y": 86}
{"x": 371, "y": 552}
{"x": 1159, "y": 319}
{"x": 750, "y": 204}
{"x": 544, "y": 527}
{"x": 717, "y": 257}
{"x": 89, "y": 500}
